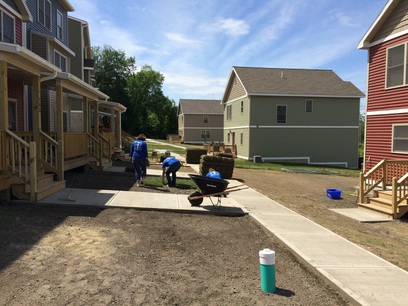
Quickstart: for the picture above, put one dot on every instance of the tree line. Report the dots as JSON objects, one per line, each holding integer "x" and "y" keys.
{"x": 149, "y": 111}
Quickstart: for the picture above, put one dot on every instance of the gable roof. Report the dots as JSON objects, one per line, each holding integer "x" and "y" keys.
{"x": 366, "y": 41}
{"x": 292, "y": 82}
{"x": 195, "y": 106}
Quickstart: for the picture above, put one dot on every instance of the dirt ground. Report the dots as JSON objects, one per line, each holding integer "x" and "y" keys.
{"x": 59, "y": 255}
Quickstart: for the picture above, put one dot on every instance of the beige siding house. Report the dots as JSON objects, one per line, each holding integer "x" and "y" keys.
{"x": 292, "y": 115}
{"x": 200, "y": 121}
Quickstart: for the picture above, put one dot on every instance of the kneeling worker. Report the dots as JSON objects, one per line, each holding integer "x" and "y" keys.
{"x": 213, "y": 174}
{"x": 170, "y": 166}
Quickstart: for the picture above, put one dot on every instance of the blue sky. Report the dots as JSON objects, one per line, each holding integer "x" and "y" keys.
{"x": 194, "y": 44}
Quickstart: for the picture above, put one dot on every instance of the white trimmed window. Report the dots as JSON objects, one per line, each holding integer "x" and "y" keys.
{"x": 400, "y": 138}
{"x": 242, "y": 107}
{"x": 205, "y": 119}
{"x": 229, "y": 112}
{"x": 44, "y": 13}
{"x": 241, "y": 139}
{"x": 59, "y": 25}
{"x": 7, "y": 28}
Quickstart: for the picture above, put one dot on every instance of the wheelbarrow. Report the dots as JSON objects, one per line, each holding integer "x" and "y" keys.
{"x": 210, "y": 187}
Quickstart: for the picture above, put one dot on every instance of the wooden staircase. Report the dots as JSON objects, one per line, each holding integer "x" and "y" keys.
{"x": 46, "y": 186}
{"x": 384, "y": 188}
{"x": 382, "y": 203}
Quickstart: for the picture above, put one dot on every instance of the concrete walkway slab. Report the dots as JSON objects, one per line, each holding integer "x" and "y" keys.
{"x": 363, "y": 215}
{"x": 361, "y": 275}
{"x": 364, "y": 277}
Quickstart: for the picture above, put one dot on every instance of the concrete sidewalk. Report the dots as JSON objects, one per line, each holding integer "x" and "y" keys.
{"x": 362, "y": 276}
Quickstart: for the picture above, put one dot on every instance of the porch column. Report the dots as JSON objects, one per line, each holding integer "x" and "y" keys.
{"x": 85, "y": 114}
{"x": 37, "y": 114}
{"x": 113, "y": 127}
{"x": 118, "y": 135}
{"x": 60, "y": 130}
{"x": 96, "y": 119}
{"x": 4, "y": 120}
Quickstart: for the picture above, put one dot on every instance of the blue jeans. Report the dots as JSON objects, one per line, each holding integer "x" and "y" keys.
{"x": 171, "y": 181}
{"x": 140, "y": 167}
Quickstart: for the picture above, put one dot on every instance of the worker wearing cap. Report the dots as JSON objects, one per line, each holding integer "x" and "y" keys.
{"x": 213, "y": 174}
{"x": 170, "y": 167}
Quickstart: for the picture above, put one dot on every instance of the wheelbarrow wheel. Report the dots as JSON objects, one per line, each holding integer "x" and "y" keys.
{"x": 195, "y": 202}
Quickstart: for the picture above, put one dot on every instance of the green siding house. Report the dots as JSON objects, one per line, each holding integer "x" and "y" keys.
{"x": 305, "y": 116}
{"x": 200, "y": 121}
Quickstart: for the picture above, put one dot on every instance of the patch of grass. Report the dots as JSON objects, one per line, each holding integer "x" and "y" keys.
{"x": 245, "y": 164}
{"x": 181, "y": 182}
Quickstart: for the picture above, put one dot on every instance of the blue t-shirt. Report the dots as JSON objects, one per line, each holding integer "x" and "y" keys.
{"x": 138, "y": 149}
{"x": 169, "y": 161}
{"x": 214, "y": 174}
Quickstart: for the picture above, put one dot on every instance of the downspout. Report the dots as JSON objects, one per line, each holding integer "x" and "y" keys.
{"x": 49, "y": 77}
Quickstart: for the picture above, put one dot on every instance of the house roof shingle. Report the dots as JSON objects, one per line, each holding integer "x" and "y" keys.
{"x": 294, "y": 82}
{"x": 193, "y": 106}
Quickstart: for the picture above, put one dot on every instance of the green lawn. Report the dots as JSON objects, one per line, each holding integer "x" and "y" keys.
{"x": 245, "y": 164}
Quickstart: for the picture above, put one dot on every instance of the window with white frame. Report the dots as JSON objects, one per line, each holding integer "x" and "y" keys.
{"x": 397, "y": 66}
{"x": 308, "y": 105}
{"x": 229, "y": 112}
{"x": 60, "y": 61}
{"x": 242, "y": 107}
{"x": 59, "y": 25}
{"x": 7, "y": 28}
{"x": 44, "y": 13}
{"x": 241, "y": 139}
{"x": 400, "y": 138}
{"x": 281, "y": 114}
{"x": 205, "y": 119}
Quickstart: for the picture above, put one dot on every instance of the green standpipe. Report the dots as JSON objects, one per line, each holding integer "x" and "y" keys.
{"x": 267, "y": 268}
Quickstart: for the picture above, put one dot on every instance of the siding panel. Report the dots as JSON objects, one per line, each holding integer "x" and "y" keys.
{"x": 379, "y": 138}
{"x": 396, "y": 22}
{"x": 379, "y": 98}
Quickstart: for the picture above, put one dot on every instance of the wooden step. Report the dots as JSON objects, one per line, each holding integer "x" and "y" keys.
{"x": 22, "y": 191}
{"x": 382, "y": 202}
{"x": 376, "y": 208}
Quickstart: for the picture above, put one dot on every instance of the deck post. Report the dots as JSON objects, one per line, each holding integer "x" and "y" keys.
{"x": 33, "y": 171}
{"x": 36, "y": 107}
{"x": 394, "y": 198}
{"x": 60, "y": 131}
{"x": 4, "y": 122}
{"x": 385, "y": 176}
{"x": 362, "y": 188}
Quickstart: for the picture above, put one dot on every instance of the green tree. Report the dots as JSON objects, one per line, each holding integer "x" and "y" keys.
{"x": 112, "y": 71}
{"x": 152, "y": 113}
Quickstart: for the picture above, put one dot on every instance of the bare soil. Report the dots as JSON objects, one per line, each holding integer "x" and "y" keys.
{"x": 59, "y": 255}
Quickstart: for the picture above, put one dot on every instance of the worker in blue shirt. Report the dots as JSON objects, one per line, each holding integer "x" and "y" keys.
{"x": 213, "y": 174}
{"x": 170, "y": 167}
{"x": 138, "y": 155}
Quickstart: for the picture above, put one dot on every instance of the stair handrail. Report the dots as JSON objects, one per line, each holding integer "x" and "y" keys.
{"x": 105, "y": 144}
{"x": 366, "y": 179}
{"x": 93, "y": 146}
{"x": 50, "y": 150}
{"x": 28, "y": 152}
{"x": 399, "y": 193}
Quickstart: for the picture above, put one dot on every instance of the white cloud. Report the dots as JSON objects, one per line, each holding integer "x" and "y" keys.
{"x": 232, "y": 27}
{"x": 181, "y": 39}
